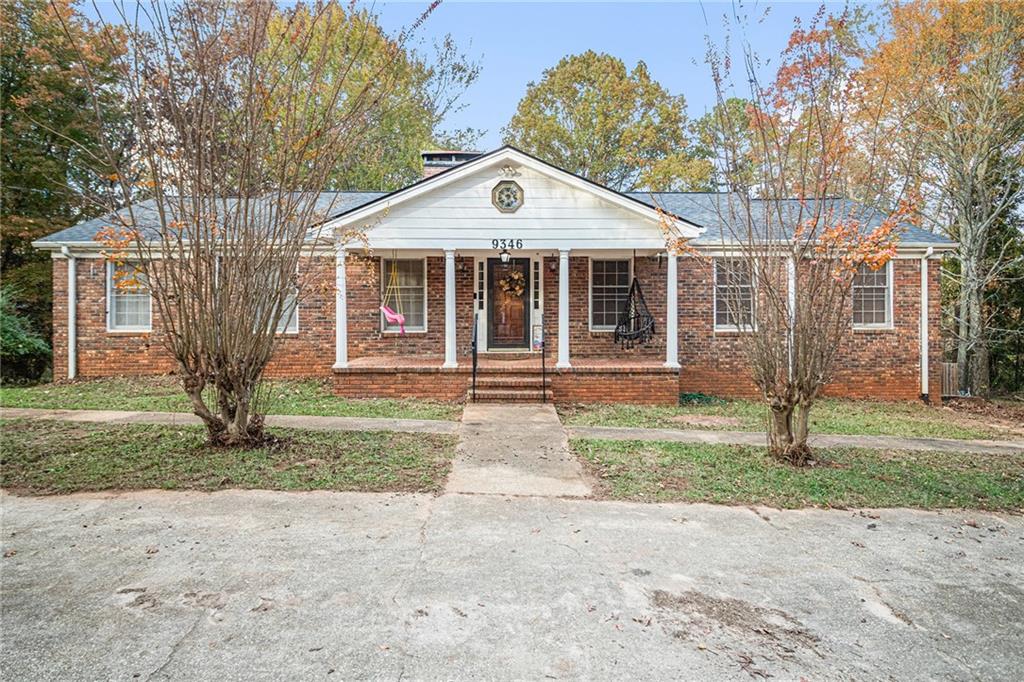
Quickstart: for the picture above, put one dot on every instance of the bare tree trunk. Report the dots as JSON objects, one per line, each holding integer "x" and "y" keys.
{"x": 963, "y": 341}
{"x": 787, "y": 433}
{"x": 979, "y": 346}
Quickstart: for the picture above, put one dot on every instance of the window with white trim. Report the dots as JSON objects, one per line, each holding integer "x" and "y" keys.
{"x": 609, "y": 292}
{"x": 734, "y": 294}
{"x": 129, "y": 305}
{"x": 409, "y": 296}
{"x": 288, "y": 321}
{"x": 872, "y": 297}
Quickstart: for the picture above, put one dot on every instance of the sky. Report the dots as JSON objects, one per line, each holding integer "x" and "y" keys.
{"x": 516, "y": 41}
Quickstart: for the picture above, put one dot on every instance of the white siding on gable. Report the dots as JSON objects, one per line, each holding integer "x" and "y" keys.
{"x": 554, "y": 215}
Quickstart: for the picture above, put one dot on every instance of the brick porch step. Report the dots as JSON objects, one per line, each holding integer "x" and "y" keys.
{"x": 497, "y": 395}
{"x": 504, "y": 381}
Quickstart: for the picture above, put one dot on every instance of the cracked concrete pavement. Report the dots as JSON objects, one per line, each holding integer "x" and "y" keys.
{"x": 515, "y": 450}
{"x": 272, "y": 585}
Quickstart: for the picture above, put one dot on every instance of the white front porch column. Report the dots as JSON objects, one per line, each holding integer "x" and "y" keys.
{"x": 672, "y": 311}
{"x": 563, "y": 309}
{"x": 450, "y": 359}
{"x": 340, "y": 312}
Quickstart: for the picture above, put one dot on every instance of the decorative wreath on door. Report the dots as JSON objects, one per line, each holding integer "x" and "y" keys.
{"x": 513, "y": 283}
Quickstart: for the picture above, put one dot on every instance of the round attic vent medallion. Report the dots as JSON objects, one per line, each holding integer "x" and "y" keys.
{"x": 507, "y": 196}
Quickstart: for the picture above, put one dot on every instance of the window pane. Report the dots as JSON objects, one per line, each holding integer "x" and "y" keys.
{"x": 289, "y": 320}
{"x": 409, "y": 296}
{"x": 129, "y": 304}
{"x": 609, "y": 292}
{"x": 871, "y": 296}
{"x": 734, "y": 293}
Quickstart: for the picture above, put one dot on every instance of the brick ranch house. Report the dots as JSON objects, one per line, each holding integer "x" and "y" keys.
{"x": 445, "y": 250}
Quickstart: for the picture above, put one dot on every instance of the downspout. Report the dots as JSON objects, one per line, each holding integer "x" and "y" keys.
{"x": 791, "y": 304}
{"x": 924, "y": 323}
{"x": 72, "y": 312}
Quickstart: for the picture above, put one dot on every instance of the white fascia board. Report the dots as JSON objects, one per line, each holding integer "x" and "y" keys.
{"x": 687, "y": 229}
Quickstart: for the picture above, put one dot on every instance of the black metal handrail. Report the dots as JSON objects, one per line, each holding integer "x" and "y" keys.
{"x": 476, "y": 322}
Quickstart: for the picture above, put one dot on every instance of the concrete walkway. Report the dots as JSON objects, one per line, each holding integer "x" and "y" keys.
{"x": 281, "y": 420}
{"x": 515, "y": 450}
{"x": 981, "y": 447}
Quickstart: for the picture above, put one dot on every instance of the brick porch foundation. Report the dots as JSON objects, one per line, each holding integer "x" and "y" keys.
{"x": 594, "y": 381}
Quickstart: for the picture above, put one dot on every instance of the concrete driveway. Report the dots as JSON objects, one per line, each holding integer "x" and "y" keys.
{"x": 261, "y": 585}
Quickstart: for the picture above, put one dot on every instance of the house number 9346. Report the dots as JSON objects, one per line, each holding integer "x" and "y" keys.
{"x": 507, "y": 243}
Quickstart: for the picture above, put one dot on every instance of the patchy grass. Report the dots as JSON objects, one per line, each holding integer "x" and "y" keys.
{"x": 164, "y": 394}
{"x": 725, "y": 474}
{"x": 45, "y": 457}
{"x": 856, "y": 417}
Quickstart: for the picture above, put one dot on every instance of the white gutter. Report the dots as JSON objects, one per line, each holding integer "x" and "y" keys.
{"x": 924, "y": 322}
{"x": 72, "y": 312}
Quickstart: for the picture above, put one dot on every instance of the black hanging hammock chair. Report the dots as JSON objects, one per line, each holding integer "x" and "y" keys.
{"x": 636, "y": 324}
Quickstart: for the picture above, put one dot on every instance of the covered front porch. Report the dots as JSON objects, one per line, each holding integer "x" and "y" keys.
{"x": 518, "y": 304}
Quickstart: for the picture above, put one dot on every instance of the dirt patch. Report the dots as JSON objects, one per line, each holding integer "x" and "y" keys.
{"x": 725, "y": 624}
{"x": 708, "y": 421}
{"x": 1004, "y": 414}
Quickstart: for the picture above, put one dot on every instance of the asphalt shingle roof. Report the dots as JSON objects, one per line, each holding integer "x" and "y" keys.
{"x": 147, "y": 218}
{"x": 703, "y": 209}
{"x": 710, "y": 210}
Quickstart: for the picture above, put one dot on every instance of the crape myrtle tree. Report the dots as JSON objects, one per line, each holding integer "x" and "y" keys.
{"x": 803, "y": 215}
{"x": 237, "y": 129}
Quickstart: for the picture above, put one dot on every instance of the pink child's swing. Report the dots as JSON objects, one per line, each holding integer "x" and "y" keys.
{"x": 391, "y": 292}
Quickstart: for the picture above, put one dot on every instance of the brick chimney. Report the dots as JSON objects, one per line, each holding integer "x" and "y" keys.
{"x": 439, "y": 160}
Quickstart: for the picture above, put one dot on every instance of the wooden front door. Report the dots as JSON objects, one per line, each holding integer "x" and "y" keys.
{"x": 508, "y": 297}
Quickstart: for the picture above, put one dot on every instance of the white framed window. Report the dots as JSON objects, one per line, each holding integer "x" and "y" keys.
{"x": 734, "y": 294}
{"x": 609, "y": 292}
{"x": 409, "y": 296}
{"x": 129, "y": 304}
{"x": 288, "y": 322}
{"x": 872, "y": 297}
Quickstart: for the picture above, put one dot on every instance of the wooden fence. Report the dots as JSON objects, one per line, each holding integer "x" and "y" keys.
{"x": 950, "y": 384}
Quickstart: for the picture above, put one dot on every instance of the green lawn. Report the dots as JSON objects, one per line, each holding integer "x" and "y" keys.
{"x": 724, "y": 474}
{"x": 861, "y": 417}
{"x": 164, "y": 394}
{"x": 44, "y": 457}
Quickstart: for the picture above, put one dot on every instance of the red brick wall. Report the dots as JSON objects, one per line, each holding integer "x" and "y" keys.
{"x": 710, "y": 362}
{"x": 648, "y": 386}
{"x": 99, "y": 352}
{"x": 449, "y": 385}
{"x": 365, "y": 338}
{"x": 878, "y": 364}
{"x": 584, "y": 343}
{"x": 103, "y": 353}
{"x": 310, "y": 352}
{"x": 657, "y": 386}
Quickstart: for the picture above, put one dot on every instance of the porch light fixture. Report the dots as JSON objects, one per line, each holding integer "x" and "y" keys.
{"x": 505, "y": 256}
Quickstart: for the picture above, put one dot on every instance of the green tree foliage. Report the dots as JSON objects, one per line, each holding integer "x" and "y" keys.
{"x": 592, "y": 116}
{"x": 728, "y": 123}
{"x": 422, "y": 90}
{"x": 49, "y": 158}
{"x": 24, "y": 354}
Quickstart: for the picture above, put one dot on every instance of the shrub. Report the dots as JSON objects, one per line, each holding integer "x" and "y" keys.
{"x": 24, "y": 354}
